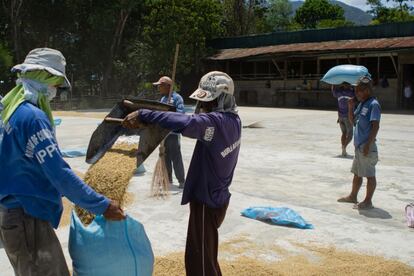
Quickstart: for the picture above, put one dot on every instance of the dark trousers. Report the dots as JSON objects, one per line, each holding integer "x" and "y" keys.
{"x": 173, "y": 158}
{"x": 31, "y": 245}
{"x": 202, "y": 240}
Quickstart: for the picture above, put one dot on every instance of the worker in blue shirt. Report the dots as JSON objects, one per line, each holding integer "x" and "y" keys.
{"x": 173, "y": 157}
{"x": 33, "y": 174}
{"x": 367, "y": 122}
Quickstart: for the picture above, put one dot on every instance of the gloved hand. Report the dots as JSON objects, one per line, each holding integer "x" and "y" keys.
{"x": 114, "y": 212}
{"x": 132, "y": 120}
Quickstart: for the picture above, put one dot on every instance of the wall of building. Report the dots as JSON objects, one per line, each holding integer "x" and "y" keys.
{"x": 387, "y": 96}
{"x": 295, "y": 93}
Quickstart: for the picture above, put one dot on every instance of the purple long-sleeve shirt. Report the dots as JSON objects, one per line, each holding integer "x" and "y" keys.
{"x": 215, "y": 155}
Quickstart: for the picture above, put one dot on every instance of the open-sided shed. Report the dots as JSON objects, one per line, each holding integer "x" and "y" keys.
{"x": 284, "y": 69}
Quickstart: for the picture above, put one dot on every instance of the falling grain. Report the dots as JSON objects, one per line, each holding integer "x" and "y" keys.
{"x": 110, "y": 176}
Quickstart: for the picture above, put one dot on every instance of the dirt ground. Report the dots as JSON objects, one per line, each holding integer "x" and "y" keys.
{"x": 294, "y": 161}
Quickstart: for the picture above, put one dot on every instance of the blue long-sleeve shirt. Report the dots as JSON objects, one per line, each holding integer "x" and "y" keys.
{"x": 215, "y": 154}
{"x": 33, "y": 174}
{"x": 175, "y": 100}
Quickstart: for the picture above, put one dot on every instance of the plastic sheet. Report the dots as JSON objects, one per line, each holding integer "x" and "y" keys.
{"x": 277, "y": 215}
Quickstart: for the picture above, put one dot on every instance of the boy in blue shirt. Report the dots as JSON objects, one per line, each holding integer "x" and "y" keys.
{"x": 367, "y": 118}
{"x": 33, "y": 174}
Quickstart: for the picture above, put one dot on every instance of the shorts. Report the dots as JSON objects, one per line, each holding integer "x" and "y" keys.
{"x": 364, "y": 166}
{"x": 346, "y": 127}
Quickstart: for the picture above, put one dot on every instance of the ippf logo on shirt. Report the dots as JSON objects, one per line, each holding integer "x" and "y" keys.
{"x": 35, "y": 140}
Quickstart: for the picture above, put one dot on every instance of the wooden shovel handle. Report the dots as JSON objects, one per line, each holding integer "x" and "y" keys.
{"x": 113, "y": 120}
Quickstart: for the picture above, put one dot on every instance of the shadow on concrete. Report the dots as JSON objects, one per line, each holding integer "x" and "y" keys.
{"x": 344, "y": 157}
{"x": 375, "y": 213}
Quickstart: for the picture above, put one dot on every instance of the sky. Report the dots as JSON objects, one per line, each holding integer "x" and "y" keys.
{"x": 363, "y": 6}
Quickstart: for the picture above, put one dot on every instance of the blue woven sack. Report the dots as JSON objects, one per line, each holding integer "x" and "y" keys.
{"x": 108, "y": 248}
{"x": 345, "y": 73}
{"x": 277, "y": 215}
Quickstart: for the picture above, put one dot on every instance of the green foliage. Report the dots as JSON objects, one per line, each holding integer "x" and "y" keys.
{"x": 328, "y": 23}
{"x": 382, "y": 14}
{"x": 186, "y": 22}
{"x": 6, "y": 61}
{"x": 279, "y": 14}
{"x": 242, "y": 17}
{"x": 314, "y": 11}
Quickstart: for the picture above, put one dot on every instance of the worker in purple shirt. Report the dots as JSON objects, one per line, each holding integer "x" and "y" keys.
{"x": 343, "y": 93}
{"x": 217, "y": 128}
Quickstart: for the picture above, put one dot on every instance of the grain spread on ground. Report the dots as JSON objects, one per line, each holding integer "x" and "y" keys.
{"x": 241, "y": 258}
{"x": 97, "y": 115}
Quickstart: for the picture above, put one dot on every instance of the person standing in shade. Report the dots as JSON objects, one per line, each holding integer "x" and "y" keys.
{"x": 33, "y": 174}
{"x": 408, "y": 94}
{"x": 367, "y": 120}
{"x": 173, "y": 157}
{"x": 217, "y": 128}
{"x": 344, "y": 93}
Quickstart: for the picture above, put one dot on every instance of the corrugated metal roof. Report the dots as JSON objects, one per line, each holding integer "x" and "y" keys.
{"x": 356, "y": 45}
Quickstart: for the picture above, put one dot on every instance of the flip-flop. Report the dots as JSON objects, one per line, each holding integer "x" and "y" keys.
{"x": 347, "y": 200}
{"x": 363, "y": 206}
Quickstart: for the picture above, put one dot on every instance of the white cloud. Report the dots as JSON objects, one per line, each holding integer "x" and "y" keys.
{"x": 357, "y": 3}
{"x": 363, "y": 5}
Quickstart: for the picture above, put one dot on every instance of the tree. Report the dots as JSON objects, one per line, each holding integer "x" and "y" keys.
{"x": 402, "y": 5}
{"x": 314, "y": 11}
{"x": 124, "y": 9}
{"x": 6, "y": 61}
{"x": 279, "y": 14}
{"x": 328, "y": 23}
{"x": 12, "y": 8}
{"x": 383, "y": 14}
{"x": 187, "y": 22}
{"x": 242, "y": 17}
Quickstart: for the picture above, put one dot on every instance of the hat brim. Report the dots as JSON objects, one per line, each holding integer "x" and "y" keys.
{"x": 32, "y": 67}
{"x": 204, "y": 95}
{"x": 156, "y": 83}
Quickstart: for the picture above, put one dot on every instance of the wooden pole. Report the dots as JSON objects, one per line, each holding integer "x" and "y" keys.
{"x": 177, "y": 48}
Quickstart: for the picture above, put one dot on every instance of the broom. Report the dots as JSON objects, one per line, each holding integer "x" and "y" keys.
{"x": 160, "y": 182}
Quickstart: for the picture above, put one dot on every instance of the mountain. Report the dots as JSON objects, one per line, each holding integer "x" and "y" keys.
{"x": 353, "y": 14}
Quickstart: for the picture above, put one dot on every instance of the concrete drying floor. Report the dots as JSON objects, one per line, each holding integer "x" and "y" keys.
{"x": 293, "y": 162}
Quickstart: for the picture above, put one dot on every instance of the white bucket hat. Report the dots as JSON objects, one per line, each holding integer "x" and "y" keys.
{"x": 212, "y": 85}
{"x": 47, "y": 59}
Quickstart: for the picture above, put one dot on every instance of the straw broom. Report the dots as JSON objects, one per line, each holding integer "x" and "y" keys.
{"x": 160, "y": 182}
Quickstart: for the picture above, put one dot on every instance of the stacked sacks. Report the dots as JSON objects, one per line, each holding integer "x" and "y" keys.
{"x": 345, "y": 73}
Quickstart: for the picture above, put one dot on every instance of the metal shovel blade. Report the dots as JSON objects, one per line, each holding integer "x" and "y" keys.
{"x": 108, "y": 132}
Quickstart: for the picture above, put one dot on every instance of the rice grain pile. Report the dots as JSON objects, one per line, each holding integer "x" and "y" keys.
{"x": 68, "y": 206}
{"x": 110, "y": 176}
{"x": 314, "y": 261}
{"x": 97, "y": 115}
